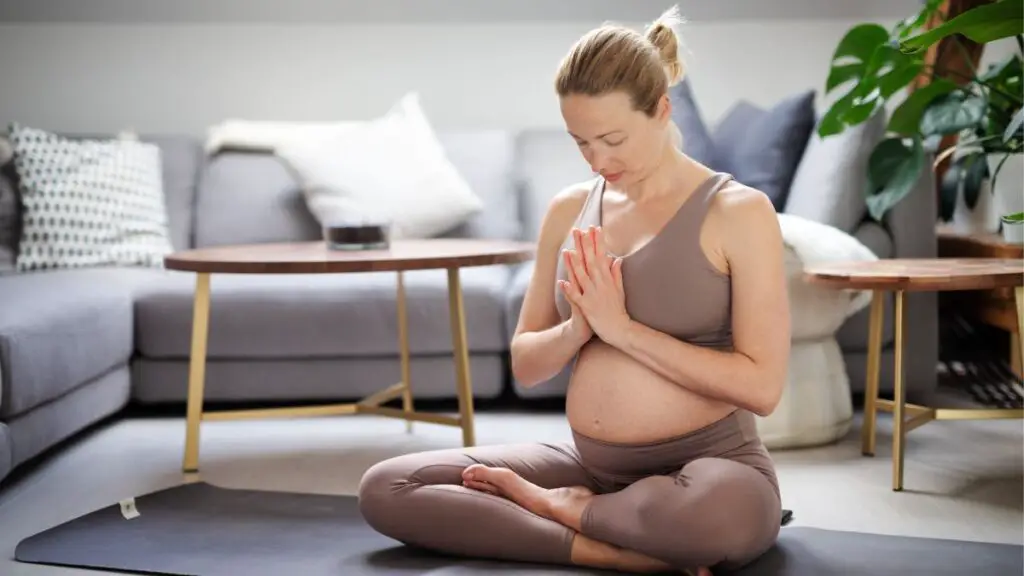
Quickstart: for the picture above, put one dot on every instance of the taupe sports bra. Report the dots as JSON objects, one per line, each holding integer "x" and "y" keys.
{"x": 670, "y": 285}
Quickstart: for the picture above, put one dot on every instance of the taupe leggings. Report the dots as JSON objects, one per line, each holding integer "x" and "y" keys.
{"x": 708, "y": 498}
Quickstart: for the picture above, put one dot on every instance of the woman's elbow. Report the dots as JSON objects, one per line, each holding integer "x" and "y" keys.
{"x": 771, "y": 389}
{"x": 522, "y": 372}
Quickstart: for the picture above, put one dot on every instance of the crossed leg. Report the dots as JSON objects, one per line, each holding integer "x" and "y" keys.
{"x": 432, "y": 500}
{"x": 714, "y": 512}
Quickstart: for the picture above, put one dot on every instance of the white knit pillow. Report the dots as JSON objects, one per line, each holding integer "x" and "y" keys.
{"x": 391, "y": 169}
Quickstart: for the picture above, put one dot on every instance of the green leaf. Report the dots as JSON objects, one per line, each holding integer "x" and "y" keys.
{"x": 982, "y": 24}
{"x": 1014, "y": 218}
{"x": 915, "y": 21}
{"x": 832, "y": 120}
{"x": 893, "y": 169}
{"x": 860, "y": 42}
{"x": 906, "y": 119}
{"x": 952, "y": 113}
{"x": 852, "y": 54}
{"x": 839, "y": 75}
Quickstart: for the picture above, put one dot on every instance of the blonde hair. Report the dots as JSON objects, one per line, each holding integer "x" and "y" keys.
{"x": 614, "y": 58}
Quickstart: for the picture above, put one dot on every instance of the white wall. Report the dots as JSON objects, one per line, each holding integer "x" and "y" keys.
{"x": 181, "y": 78}
{"x": 89, "y": 77}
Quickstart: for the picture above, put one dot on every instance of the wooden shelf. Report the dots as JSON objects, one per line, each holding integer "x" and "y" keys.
{"x": 997, "y": 307}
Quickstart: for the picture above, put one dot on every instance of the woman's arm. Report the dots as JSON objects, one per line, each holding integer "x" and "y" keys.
{"x": 753, "y": 374}
{"x": 543, "y": 344}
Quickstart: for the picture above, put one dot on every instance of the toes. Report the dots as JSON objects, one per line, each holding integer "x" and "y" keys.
{"x": 499, "y": 477}
{"x": 481, "y": 486}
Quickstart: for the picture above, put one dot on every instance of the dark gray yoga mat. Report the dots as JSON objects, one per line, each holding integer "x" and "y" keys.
{"x": 212, "y": 531}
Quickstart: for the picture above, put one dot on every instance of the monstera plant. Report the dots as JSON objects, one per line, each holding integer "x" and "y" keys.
{"x": 983, "y": 108}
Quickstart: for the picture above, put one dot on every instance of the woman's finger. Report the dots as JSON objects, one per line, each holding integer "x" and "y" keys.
{"x": 570, "y": 268}
{"x": 583, "y": 280}
{"x": 601, "y": 257}
{"x": 577, "y": 236}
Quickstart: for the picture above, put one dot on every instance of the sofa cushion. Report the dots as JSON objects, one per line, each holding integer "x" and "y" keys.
{"x": 181, "y": 158}
{"x": 62, "y": 328}
{"x": 762, "y": 148}
{"x": 485, "y": 159}
{"x": 250, "y": 197}
{"x": 307, "y": 316}
{"x": 697, "y": 141}
{"x": 831, "y": 178}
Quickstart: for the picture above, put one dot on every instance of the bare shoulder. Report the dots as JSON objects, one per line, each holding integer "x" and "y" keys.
{"x": 744, "y": 211}
{"x": 564, "y": 207}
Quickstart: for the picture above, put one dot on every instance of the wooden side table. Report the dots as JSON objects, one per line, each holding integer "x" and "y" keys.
{"x": 315, "y": 258}
{"x": 915, "y": 275}
{"x": 992, "y": 307}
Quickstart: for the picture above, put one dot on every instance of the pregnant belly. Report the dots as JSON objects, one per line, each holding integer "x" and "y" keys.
{"x": 615, "y": 398}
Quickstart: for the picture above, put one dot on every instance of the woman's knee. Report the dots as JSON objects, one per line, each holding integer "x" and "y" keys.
{"x": 380, "y": 488}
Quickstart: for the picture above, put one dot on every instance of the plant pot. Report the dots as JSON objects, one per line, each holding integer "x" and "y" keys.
{"x": 1005, "y": 198}
{"x": 1008, "y": 189}
{"x": 1013, "y": 233}
{"x": 983, "y": 218}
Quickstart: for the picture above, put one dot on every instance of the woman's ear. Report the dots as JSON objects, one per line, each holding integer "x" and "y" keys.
{"x": 664, "y": 113}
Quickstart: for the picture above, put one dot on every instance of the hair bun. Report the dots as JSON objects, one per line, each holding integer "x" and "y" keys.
{"x": 662, "y": 34}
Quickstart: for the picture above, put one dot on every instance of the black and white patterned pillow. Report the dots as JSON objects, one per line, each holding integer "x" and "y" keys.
{"x": 88, "y": 202}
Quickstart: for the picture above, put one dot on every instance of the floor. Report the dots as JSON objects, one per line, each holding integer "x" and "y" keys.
{"x": 964, "y": 480}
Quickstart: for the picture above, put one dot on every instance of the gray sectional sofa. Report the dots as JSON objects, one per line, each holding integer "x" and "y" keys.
{"x": 77, "y": 346}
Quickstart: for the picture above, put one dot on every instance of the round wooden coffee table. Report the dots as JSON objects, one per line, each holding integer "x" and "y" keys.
{"x": 317, "y": 258}
{"x": 900, "y": 276}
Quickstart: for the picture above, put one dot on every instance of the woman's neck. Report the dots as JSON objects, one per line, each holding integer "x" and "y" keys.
{"x": 673, "y": 173}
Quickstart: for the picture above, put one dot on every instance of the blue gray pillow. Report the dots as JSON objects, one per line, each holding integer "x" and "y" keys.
{"x": 762, "y": 148}
{"x": 697, "y": 142}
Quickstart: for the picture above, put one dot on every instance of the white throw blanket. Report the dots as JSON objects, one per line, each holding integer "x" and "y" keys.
{"x": 814, "y": 243}
{"x": 264, "y": 135}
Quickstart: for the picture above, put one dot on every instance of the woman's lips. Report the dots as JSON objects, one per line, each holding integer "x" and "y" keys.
{"x": 613, "y": 177}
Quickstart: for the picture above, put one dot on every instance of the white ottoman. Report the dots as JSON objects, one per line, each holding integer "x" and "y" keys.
{"x": 816, "y": 407}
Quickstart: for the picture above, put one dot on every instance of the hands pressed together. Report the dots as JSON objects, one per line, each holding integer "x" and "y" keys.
{"x": 594, "y": 288}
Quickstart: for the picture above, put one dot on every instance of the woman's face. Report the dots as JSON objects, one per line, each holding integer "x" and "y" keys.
{"x": 620, "y": 143}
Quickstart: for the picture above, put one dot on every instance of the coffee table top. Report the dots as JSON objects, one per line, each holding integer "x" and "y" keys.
{"x": 925, "y": 274}
{"x": 317, "y": 258}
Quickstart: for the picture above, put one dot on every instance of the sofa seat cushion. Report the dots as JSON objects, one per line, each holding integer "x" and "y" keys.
{"x": 318, "y": 316}
{"x": 62, "y": 328}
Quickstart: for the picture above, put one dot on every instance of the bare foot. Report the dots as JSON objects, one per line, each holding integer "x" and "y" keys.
{"x": 563, "y": 505}
{"x": 596, "y": 554}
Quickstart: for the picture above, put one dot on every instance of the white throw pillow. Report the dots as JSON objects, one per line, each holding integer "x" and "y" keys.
{"x": 390, "y": 169}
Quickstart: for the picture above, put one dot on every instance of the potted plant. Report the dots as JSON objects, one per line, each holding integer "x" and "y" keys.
{"x": 984, "y": 109}
{"x": 1013, "y": 227}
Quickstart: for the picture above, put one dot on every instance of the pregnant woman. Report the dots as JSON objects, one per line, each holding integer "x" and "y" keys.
{"x": 663, "y": 283}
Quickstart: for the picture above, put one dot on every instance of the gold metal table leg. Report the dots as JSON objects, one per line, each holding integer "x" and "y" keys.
{"x": 197, "y": 371}
{"x": 899, "y": 396}
{"x": 464, "y": 386}
{"x": 1019, "y": 293}
{"x": 403, "y": 347}
{"x": 877, "y": 322}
